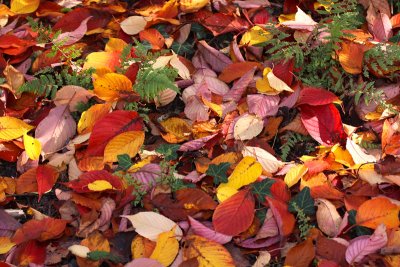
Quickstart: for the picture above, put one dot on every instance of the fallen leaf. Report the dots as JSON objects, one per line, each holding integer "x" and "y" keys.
{"x": 377, "y": 211}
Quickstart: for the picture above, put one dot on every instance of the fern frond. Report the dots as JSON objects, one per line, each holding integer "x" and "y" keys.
{"x": 44, "y": 85}
{"x": 291, "y": 140}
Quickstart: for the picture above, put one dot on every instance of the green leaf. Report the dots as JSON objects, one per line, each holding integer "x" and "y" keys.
{"x": 218, "y": 172}
{"x": 357, "y": 230}
{"x": 263, "y": 189}
{"x": 185, "y": 49}
{"x": 124, "y": 162}
{"x": 304, "y": 202}
{"x": 168, "y": 151}
{"x": 103, "y": 255}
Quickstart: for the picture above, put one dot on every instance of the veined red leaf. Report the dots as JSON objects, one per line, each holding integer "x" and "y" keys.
{"x": 323, "y": 123}
{"x": 235, "y": 214}
{"x": 314, "y": 96}
{"x": 110, "y": 126}
{"x": 46, "y": 177}
{"x": 72, "y": 20}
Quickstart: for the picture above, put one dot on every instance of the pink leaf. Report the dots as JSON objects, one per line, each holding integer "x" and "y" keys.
{"x": 263, "y": 105}
{"x": 239, "y": 87}
{"x": 252, "y": 3}
{"x": 254, "y": 243}
{"x": 195, "y": 109}
{"x": 56, "y": 129}
{"x": 72, "y": 95}
{"x": 215, "y": 58}
{"x": 323, "y": 123}
{"x": 69, "y": 38}
{"x": 364, "y": 245}
{"x": 202, "y": 230}
{"x": 269, "y": 227}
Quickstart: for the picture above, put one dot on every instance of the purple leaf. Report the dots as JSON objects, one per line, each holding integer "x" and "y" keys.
{"x": 56, "y": 129}
{"x": 7, "y": 224}
{"x": 263, "y": 105}
{"x": 364, "y": 245}
{"x": 262, "y": 243}
{"x": 147, "y": 175}
{"x": 195, "y": 110}
{"x": 202, "y": 230}
{"x": 269, "y": 227}
{"x": 215, "y": 58}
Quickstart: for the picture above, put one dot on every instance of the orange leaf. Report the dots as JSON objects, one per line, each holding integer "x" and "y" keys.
{"x": 109, "y": 86}
{"x": 301, "y": 255}
{"x": 376, "y": 211}
{"x": 351, "y": 56}
{"x": 41, "y": 230}
{"x": 125, "y": 143}
{"x": 176, "y": 130}
{"x": 235, "y": 215}
{"x": 237, "y": 70}
{"x": 152, "y": 36}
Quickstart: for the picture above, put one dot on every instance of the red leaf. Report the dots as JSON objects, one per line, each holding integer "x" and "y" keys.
{"x": 234, "y": 215}
{"x": 110, "y": 126}
{"x": 80, "y": 185}
{"x": 283, "y": 217}
{"x": 280, "y": 191}
{"x": 73, "y": 19}
{"x": 40, "y": 230}
{"x": 31, "y": 252}
{"x": 323, "y": 123}
{"x": 316, "y": 96}
{"x": 46, "y": 177}
{"x": 284, "y": 71}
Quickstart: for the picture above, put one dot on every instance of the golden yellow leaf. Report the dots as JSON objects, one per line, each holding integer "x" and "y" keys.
{"x": 115, "y": 44}
{"x": 12, "y": 128}
{"x": 256, "y": 35}
{"x": 342, "y": 156}
{"x": 142, "y": 247}
{"x": 294, "y": 174}
{"x": 24, "y": 6}
{"x": 137, "y": 166}
{"x": 96, "y": 241}
{"x": 263, "y": 85}
{"x": 166, "y": 249}
{"x": 32, "y": 147}
{"x": 231, "y": 157}
{"x": 6, "y": 245}
{"x": 108, "y": 86}
{"x": 246, "y": 172}
{"x": 224, "y": 192}
{"x": 100, "y": 185}
{"x": 91, "y": 116}
{"x": 191, "y": 6}
{"x": 124, "y": 143}
{"x": 208, "y": 253}
{"x": 177, "y": 130}
{"x": 214, "y": 107}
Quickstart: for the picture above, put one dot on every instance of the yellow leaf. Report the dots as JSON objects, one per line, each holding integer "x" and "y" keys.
{"x": 32, "y": 147}
{"x": 125, "y": 143}
{"x": 142, "y": 247}
{"x": 5, "y": 245}
{"x": 100, "y": 185}
{"x": 277, "y": 83}
{"x": 246, "y": 172}
{"x": 12, "y": 128}
{"x": 98, "y": 60}
{"x": 108, "y": 86}
{"x": 191, "y": 6}
{"x": 294, "y": 174}
{"x": 255, "y": 35}
{"x": 263, "y": 85}
{"x": 177, "y": 130}
{"x": 208, "y": 253}
{"x": 24, "y": 6}
{"x": 286, "y": 17}
{"x": 166, "y": 248}
{"x": 342, "y": 156}
{"x": 91, "y": 116}
{"x": 137, "y": 166}
{"x": 214, "y": 107}
{"x": 224, "y": 192}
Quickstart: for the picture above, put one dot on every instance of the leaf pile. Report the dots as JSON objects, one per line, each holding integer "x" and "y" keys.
{"x": 199, "y": 133}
